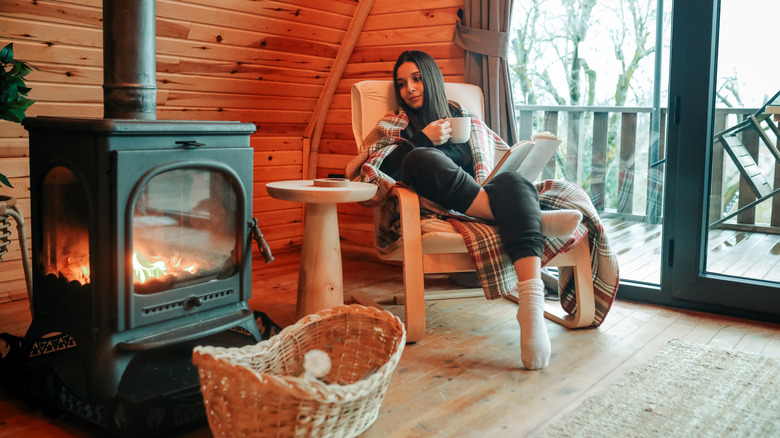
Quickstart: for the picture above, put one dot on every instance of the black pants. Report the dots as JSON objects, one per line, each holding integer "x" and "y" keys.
{"x": 513, "y": 200}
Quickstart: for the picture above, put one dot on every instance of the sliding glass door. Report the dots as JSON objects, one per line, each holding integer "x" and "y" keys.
{"x": 653, "y": 100}
{"x": 722, "y": 240}
{"x": 743, "y": 233}
{"x": 596, "y": 74}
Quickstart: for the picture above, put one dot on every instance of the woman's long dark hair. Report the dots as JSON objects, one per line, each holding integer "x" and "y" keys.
{"x": 435, "y": 104}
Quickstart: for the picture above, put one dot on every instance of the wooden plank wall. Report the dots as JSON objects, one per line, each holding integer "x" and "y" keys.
{"x": 391, "y": 28}
{"x": 264, "y": 62}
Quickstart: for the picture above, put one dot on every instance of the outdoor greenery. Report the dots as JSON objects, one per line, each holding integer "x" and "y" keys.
{"x": 594, "y": 53}
{"x": 585, "y": 52}
{"x": 605, "y": 54}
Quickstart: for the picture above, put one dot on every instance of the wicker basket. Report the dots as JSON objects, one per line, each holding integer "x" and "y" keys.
{"x": 255, "y": 390}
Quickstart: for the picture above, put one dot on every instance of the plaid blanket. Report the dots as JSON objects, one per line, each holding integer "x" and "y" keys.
{"x": 494, "y": 269}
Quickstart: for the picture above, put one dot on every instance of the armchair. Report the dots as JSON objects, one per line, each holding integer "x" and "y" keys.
{"x": 433, "y": 246}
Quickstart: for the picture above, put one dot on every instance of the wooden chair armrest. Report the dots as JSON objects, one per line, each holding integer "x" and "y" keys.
{"x": 409, "y": 211}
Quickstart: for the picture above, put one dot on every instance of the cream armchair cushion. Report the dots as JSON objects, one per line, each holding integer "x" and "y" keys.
{"x": 371, "y": 100}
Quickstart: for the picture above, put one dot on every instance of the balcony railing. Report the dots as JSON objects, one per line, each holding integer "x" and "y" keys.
{"x": 617, "y": 155}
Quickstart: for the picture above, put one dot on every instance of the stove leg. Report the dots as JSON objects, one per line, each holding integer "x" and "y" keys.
{"x": 97, "y": 358}
{"x": 104, "y": 370}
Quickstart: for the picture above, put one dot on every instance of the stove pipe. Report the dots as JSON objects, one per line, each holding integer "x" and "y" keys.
{"x": 129, "y": 65}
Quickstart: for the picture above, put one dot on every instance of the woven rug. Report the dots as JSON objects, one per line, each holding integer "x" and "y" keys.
{"x": 684, "y": 390}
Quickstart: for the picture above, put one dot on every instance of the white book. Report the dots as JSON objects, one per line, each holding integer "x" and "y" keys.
{"x": 528, "y": 157}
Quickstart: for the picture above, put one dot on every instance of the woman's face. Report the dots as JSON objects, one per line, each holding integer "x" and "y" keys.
{"x": 410, "y": 84}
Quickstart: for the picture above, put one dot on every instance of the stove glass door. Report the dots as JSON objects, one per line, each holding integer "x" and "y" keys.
{"x": 65, "y": 220}
{"x": 184, "y": 230}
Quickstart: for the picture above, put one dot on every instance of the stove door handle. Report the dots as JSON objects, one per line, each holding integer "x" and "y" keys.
{"x": 189, "y": 144}
{"x": 262, "y": 245}
{"x": 193, "y": 302}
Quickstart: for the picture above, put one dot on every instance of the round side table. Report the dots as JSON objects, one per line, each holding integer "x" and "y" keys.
{"x": 320, "y": 278}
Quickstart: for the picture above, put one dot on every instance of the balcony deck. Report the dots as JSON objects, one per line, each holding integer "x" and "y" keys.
{"x": 731, "y": 252}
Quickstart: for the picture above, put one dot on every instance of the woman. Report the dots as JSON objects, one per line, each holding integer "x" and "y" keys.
{"x": 412, "y": 146}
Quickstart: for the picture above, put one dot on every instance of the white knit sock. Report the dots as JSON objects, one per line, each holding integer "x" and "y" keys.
{"x": 534, "y": 340}
{"x": 560, "y": 223}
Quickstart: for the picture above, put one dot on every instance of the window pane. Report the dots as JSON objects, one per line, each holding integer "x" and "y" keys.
{"x": 595, "y": 73}
{"x": 744, "y": 213}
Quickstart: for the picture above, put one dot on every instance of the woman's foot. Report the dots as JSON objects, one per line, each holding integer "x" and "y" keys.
{"x": 534, "y": 340}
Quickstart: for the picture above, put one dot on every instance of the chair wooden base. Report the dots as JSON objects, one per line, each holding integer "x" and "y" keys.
{"x": 579, "y": 259}
{"x": 418, "y": 253}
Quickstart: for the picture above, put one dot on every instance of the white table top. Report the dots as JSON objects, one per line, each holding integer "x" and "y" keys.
{"x": 306, "y": 191}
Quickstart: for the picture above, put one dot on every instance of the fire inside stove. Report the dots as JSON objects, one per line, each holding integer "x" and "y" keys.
{"x": 183, "y": 230}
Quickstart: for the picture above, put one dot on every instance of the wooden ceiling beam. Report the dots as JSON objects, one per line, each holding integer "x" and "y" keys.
{"x": 313, "y": 133}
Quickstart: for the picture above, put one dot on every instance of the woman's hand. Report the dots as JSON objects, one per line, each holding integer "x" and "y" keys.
{"x": 438, "y": 132}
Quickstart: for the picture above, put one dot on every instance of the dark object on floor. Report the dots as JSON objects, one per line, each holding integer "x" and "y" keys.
{"x": 550, "y": 279}
{"x": 465, "y": 279}
{"x": 10, "y": 346}
{"x": 267, "y": 327}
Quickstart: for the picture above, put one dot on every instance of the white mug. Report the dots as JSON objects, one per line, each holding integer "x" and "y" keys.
{"x": 461, "y": 129}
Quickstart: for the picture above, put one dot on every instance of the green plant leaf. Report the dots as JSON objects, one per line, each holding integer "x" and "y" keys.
{"x": 23, "y": 104}
{"x": 13, "y": 91}
{"x": 20, "y": 84}
{"x": 12, "y": 95}
{"x": 18, "y": 115}
{"x": 16, "y": 70}
{"x": 27, "y": 67}
{"x": 7, "y": 54}
{"x": 4, "y": 181}
{"x": 12, "y": 115}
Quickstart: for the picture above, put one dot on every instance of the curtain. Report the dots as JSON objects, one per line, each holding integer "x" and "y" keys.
{"x": 484, "y": 34}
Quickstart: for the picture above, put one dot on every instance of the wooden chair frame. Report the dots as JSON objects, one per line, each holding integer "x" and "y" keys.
{"x": 445, "y": 252}
{"x": 419, "y": 256}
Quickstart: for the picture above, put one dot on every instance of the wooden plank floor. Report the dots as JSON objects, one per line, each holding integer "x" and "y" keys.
{"x": 465, "y": 377}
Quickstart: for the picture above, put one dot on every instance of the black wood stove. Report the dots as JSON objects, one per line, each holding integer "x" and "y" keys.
{"x": 142, "y": 238}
